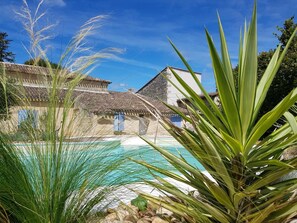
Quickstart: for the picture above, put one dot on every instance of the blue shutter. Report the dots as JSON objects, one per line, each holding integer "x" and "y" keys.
{"x": 176, "y": 120}
{"x": 22, "y": 116}
{"x": 121, "y": 122}
{"x": 116, "y": 122}
{"x": 35, "y": 121}
{"x": 119, "y": 119}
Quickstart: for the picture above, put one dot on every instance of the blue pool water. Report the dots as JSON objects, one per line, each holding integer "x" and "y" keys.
{"x": 150, "y": 155}
{"x": 114, "y": 151}
{"x": 147, "y": 153}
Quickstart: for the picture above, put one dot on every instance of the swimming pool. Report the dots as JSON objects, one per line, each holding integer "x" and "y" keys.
{"x": 139, "y": 150}
{"x": 151, "y": 156}
{"x": 110, "y": 151}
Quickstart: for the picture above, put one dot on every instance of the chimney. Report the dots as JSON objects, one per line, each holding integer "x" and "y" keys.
{"x": 131, "y": 90}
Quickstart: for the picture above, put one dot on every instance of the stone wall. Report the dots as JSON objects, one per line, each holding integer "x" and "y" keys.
{"x": 91, "y": 125}
{"x": 156, "y": 88}
{"x": 82, "y": 124}
{"x": 153, "y": 126}
{"x": 11, "y": 124}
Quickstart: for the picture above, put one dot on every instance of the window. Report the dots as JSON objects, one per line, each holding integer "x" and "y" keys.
{"x": 176, "y": 120}
{"x": 27, "y": 118}
{"x": 119, "y": 119}
{"x": 143, "y": 124}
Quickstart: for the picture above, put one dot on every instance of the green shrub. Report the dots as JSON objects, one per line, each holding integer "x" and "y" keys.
{"x": 140, "y": 202}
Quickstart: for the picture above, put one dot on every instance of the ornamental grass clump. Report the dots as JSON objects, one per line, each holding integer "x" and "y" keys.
{"x": 249, "y": 180}
{"x": 48, "y": 178}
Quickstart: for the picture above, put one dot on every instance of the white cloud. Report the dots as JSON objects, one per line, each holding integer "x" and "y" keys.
{"x": 59, "y": 3}
{"x": 119, "y": 87}
{"x": 135, "y": 63}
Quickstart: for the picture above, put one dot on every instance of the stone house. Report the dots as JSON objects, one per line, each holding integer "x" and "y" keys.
{"x": 96, "y": 111}
{"x": 162, "y": 87}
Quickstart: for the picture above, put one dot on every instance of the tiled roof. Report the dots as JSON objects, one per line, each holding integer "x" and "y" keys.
{"x": 29, "y": 69}
{"x": 101, "y": 103}
{"x": 42, "y": 93}
{"x": 96, "y": 102}
{"x": 119, "y": 102}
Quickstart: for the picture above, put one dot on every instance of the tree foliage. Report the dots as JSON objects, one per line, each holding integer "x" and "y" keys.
{"x": 8, "y": 96}
{"x": 286, "y": 31}
{"x": 5, "y": 55}
{"x": 286, "y": 78}
{"x": 42, "y": 63}
{"x": 7, "y": 100}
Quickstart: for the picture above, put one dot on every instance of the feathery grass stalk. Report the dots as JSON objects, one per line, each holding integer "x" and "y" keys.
{"x": 56, "y": 180}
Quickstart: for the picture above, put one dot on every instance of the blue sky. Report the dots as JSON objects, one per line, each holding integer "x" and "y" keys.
{"x": 141, "y": 27}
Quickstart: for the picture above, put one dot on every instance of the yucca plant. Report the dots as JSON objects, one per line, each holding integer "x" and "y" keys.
{"x": 248, "y": 180}
{"x": 55, "y": 180}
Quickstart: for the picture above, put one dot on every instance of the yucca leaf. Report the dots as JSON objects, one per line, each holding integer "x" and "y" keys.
{"x": 222, "y": 197}
{"x": 267, "y": 179}
{"x": 273, "y": 148}
{"x": 217, "y": 162}
{"x": 227, "y": 97}
{"x": 226, "y": 58}
{"x": 179, "y": 112}
{"x": 270, "y": 73}
{"x": 248, "y": 75}
{"x": 162, "y": 171}
{"x": 217, "y": 192}
{"x": 189, "y": 141}
{"x": 277, "y": 135}
{"x": 207, "y": 208}
{"x": 233, "y": 143}
{"x": 242, "y": 50}
{"x": 270, "y": 118}
{"x": 213, "y": 133}
{"x": 276, "y": 192}
{"x": 222, "y": 148}
{"x": 240, "y": 58}
{"x": 292, "y": 121}
{"x": 287, "y": 209}
{"x": 277, "y": 141}
{"x": 266, "y": 81}
{"x": 179, "y": 209}
{"x": 270, "y": 163}
{"x": 176, "y": 161}
{"x": 260, "y": 215}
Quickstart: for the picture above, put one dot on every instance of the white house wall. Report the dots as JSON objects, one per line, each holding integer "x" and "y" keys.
{"x": 172, "y": 93}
